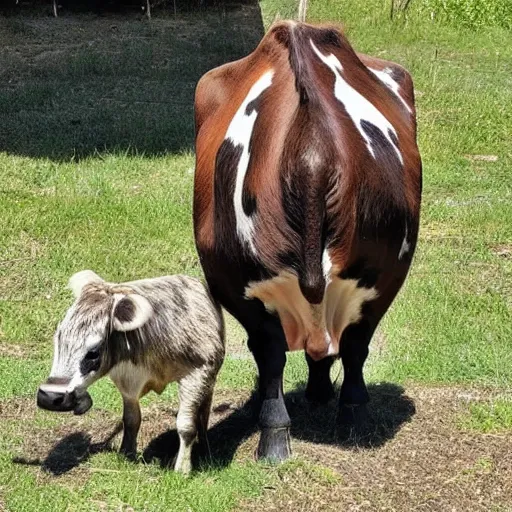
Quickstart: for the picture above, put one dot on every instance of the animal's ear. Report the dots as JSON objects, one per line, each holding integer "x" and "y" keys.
{"x": 80, "y": 279}
{"x": 130, "y": 312}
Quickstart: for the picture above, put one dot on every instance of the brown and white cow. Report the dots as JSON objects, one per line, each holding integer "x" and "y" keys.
{"x": 144, "y": 334}
{"x": 306, "y": 206}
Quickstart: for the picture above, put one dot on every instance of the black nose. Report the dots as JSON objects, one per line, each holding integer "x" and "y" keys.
{"x": 51, "y": 401}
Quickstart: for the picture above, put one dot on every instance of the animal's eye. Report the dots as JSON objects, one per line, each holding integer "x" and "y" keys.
{"x": 92, "y": 355}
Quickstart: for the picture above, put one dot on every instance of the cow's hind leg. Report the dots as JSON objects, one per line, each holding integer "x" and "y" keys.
{"x": 268, "y": 346}
{"x": 319, "y": 389}
{"x": 195, "y": 394}
{"x": 354, "y": 351}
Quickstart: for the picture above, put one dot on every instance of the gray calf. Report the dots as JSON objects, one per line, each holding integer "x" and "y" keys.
{"x": 144, "y": 334}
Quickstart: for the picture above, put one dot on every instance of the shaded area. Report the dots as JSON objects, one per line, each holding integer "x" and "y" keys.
{"x": 82, "y": 83}
{"x": 106, "y": 7}
{"x": 433, "y": 464}
{"x": 389, "y": 409}
{"x": 70, "y": 452}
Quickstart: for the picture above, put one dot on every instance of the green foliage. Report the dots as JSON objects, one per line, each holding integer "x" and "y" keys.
{"x": 471, "y": 13}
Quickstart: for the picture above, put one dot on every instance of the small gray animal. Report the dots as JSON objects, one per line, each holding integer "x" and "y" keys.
{"x": 144, "y": 334}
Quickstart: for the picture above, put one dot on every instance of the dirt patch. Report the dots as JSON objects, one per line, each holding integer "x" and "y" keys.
{"x": 12, "y": 350}
{"x": 503, "y": 251}
{"x": 482, "y": 158}
{"x": 415, "y": 458}
{"x": 60, "y": 444}
{"x": 430, "y": 464}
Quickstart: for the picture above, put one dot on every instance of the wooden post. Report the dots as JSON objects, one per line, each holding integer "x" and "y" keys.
{"x": 303, "y": 6}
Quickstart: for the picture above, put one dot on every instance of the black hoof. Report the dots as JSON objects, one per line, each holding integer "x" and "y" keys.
{"x": 353, "y": 416}
{"x": 319, "y": 394}
{"x": 274, "y": 445}
{"x": 129, "y": 453}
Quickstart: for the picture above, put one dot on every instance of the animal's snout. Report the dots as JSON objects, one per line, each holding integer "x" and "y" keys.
{"x": 55, "y": 401}
{"x": 63, "y": 401}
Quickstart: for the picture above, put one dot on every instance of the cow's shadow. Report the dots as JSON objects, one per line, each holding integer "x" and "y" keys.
{"x": 70, "y": 452}
{"x": 389, "y": 409}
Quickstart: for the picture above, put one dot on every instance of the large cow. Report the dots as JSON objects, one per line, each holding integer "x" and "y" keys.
{"x": 306, "y": 206}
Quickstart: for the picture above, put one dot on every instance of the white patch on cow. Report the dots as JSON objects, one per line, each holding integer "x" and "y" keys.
{"x": 385, "y": 77}
{"x": 55, "y": 353}
{"x": 314, "y": 327}
{"x": 405, "y": 245}
{"x": 326, "y": 264}
{"x": 130, "y": 379}
{"x": 239, "y": 133}
{"x": 356, "y": 105}
{"x": 185, "y": 422}
{"x": 55, "y": 388}
{"x": 77, "y": 381}
{"x": 93, "y": 341}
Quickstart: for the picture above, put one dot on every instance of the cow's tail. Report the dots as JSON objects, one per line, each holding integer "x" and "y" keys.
{"x": 306, "y": 158}
{"x": 304, "y": 174}
{"x": 312, "y": 279}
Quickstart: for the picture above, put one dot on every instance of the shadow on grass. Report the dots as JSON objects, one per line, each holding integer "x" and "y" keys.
{"x": 70, "y": 452}
{"x": 80, "y": 84}
{"x": 389, "y": 409}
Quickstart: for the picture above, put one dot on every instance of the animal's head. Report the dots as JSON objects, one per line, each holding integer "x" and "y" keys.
{"x": 83, "y": 350}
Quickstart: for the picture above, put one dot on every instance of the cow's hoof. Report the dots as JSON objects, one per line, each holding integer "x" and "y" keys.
{"x": 353, "y": 416}
{"x": 353, "y": 421}
{"x": 129, "y": 453}
{"x": 319, "y": 393}
{"x": 274, "y": 445}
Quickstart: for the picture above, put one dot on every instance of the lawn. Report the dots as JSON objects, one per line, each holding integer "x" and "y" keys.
{"x": 96, "y": 168}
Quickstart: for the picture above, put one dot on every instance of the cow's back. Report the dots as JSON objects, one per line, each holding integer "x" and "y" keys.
{"x": 308, "y": 181}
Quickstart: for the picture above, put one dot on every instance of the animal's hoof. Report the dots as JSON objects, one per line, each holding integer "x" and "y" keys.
{"x": 354, "y": 423}
{"x": 319, "y": 393}
{"x": 355, "y": 416}
{"x": 129, "y": 452}
{"x": 184, "y": 468}
{"x": 274, "y": 445}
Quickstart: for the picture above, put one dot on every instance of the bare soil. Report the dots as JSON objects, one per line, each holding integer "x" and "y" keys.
{"x": 414, "y": 456}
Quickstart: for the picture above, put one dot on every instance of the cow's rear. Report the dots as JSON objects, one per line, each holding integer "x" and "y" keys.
{"x": 306, "y": 209}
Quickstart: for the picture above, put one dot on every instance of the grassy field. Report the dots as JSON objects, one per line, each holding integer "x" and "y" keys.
{"x": 96, "y": 168}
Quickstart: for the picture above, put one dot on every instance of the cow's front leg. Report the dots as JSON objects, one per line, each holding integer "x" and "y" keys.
{"x": 131, "y": 426}
{"x": 274, "y": 422}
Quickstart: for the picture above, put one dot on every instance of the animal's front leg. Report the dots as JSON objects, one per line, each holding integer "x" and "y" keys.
{"x": 131, "y": 424}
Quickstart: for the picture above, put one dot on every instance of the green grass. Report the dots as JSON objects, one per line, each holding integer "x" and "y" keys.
{"x": 489, "y": 417}
{"x": 96, "y": 172}
{"x": 143, "y": 487}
